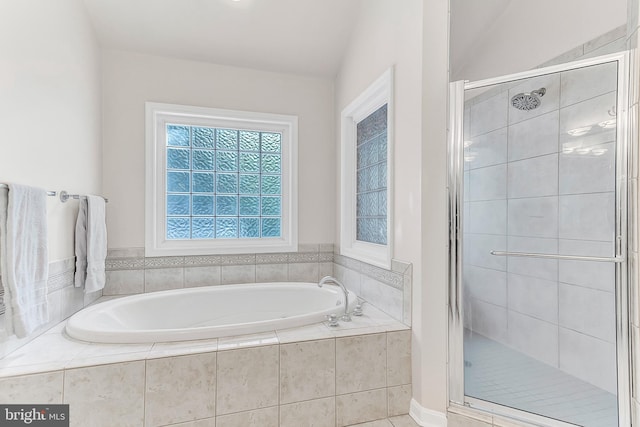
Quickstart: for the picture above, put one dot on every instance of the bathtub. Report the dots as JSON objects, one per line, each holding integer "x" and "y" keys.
{"x": 206, "y": 312}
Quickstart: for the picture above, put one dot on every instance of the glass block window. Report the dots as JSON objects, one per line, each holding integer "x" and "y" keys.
{"x": 371, "y": 180}
{"x": 219, "y": 181}
{"x": 223, "y": 183}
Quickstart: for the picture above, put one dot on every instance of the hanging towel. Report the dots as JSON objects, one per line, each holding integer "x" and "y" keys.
{"x": 81, "y": 245}
{"x": 24, "y": 259}
{"x": 96, "y": 244}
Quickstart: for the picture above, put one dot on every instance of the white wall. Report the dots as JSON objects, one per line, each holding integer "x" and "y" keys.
{"x": 129, "y": 80}
{"x": 526, "y": 34}
{"x": 50, "y": 106}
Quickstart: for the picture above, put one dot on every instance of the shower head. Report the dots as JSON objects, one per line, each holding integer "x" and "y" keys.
{"x": 528, "y": 100}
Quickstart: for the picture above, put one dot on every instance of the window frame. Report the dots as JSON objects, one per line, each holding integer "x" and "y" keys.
{"x": 380, "y": 92}
{"x": 157, "y": 116}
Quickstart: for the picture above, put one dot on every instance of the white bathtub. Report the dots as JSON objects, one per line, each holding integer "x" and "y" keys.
{"x": 207, "y": 312}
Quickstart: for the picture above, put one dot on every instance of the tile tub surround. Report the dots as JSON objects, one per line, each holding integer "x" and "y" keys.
{"x": 64, "y": 300}
{"x": 357, "y": 373}
{"x": 533, "y": 183}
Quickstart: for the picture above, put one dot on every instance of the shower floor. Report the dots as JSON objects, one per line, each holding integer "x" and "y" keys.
{"x": 498, "y": 374}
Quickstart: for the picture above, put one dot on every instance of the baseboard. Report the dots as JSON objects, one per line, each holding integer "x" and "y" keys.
{"x": 426, "y": 417}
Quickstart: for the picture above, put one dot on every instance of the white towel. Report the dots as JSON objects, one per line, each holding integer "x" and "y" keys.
{"x": 81, "y": 245}
{"x": 96, "y": 244}
{"x": 25, "y": 263}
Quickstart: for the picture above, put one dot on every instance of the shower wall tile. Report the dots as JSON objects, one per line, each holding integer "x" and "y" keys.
{"x": 534, "y": 137}
{"x": 582, "y": 120}
{"x": 319, "y": 412}
{"x": 550, "y": 100}
{"x": 180, "y": 389}
{"x": 588, "y": 311}
{"x": 533, "y": 267}
{"x": 489, "y": 320}
{"x": 602, "y": 79}
{"x": 466, "y": 215}
{"x": 613, "y": 47}
{"x": 587, "y": 217}
{"x": 533, "y": 217}
{"x": 36, "y": 389}
{"x": 534, "y": 297}
{"x": 606, "y": 38}
{"x": 488, "y": 115}
{"x": 271, "y": 273}
{"x": 598, "y": 369}
{"x": 307, "y": 371}
{"x": 486, "y": 150}
{"x": 107, "y": 395}
{"x": 594, "y": 275}
{"x": 536, "y": 177}
{"x": 267, "y": 417}
{"x": 364, "y": 350}
{"x": 488, "y": 217}
{"x": 124, "y": 282}
{"x": 201, "y": 276}
{"x": 234, "y": 274}
{"x": 303, "y": 272}
{"x": 485, "y": 284}
{"x": 478, "y": 251}
{"x": 489, "y": 183}
{"x": 247, "y": 379}
{"x": 534, "y": 337}
{"x": 398, "y": 358}
{"x": 361, "y": 407}
{"x": 162, "y": 279}
{"x": 382, "y": 296}
{"x": 589, "y": 170}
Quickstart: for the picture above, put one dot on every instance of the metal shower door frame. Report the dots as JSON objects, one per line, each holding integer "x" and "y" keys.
{"x": 623, "y": 287}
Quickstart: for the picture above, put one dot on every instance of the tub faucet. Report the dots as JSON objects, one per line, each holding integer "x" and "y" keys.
{"x": 329, "y": 279}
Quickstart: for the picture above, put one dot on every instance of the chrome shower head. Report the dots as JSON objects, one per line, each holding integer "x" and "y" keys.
{"x": 528, "y": 100}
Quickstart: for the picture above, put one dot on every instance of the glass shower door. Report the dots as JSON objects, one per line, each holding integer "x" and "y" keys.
{"x": 542, "y": 242}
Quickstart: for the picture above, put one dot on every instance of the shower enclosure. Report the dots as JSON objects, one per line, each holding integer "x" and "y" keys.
{"x": 538, "y": 277}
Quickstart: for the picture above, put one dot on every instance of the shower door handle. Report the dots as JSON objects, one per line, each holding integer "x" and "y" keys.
{"x": 616, "y": 259}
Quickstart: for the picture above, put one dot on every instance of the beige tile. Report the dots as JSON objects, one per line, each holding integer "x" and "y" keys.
{"x": 361, "y": 363}
{"x": 237, "y": 274}
{"x": 271, "y": 273}
{"x": 162, "y": 279}
{"x": 124, "y": 282}
{"x": 307, "y": 370}
{"x": 106, "y": 395}
{"x": 398, "y": 358}
{"x": 247, "y": 379}
{"x": 208, "y": 422}
{"x": 361, "y": 407}
{"x": 455, "y": 420}
{"x": 377, "y": 423}
{"x": 245, "y": 341}
{"x": 312, "y": 413}
{"x": 303, "y": 272}
{"x": 399, "y": 399}
{"x": 178, "y": 348}
{"x": 267, "y": 417}
{"x": 180, "y": 389}
{"x": 40, "y": 388}
{"x": 201, "y": 276}
{"x": 403, "y": 421}
{"x": 325, "y": 269}
{"x": 314, "y": 332}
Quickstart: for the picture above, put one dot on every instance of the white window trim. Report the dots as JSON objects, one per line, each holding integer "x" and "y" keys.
{"x": 157, "y": 115}
{"x": 379, "y": 93}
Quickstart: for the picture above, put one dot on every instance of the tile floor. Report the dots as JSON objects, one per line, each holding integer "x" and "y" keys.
{"x": 399, "y": 421}
{"x": 498, "y": 374}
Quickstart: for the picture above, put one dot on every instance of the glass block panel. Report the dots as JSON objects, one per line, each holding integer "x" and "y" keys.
{"x": 270, "y": 227}
{"x": 177, "y": 204}
{"x": 382, "y": 175}
{"x": 360, "y": 205}
{"x": 381, "y": 144}
{"x": 227, "y": 161}
{"x": 249, "y": 205}
{"x": 362, "y": 180}
{"x": 226, "y": 227}
{"x": 249, "y": 162}
{"x": 249, "y": 227}
{"x": 227, "y": 183}
{"x": 203, "y": 137}
{"x": 202, "y": 228}
{"x": 271, "y": 184}
{"x": 226, "y": 139}
{"x": 382, "y": 203}
{"x": 380, "y": 236}
{"x": 203, "y": 160}
{"x": 177, "y": 136}
{"x": 249, "y": 141}
{"x": 373, "y": 125}
{"x": 178, "y": 228}
{"x": 177, "y": 158}
{"x": 271, "y": 142}
{"x": 369, "y": 204}
{"x": 202, "y": 182}
{"x": 271, "y": 206}
{"x": 249, "y": 184}
{"x": 271, "y": 163}
{"x": 364, "y": 228}
{"x": 226, "y": 205}
{"x": 372, "y": 176}
{"x": 202, "y": 205}
{"x": 178, "y": 182}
